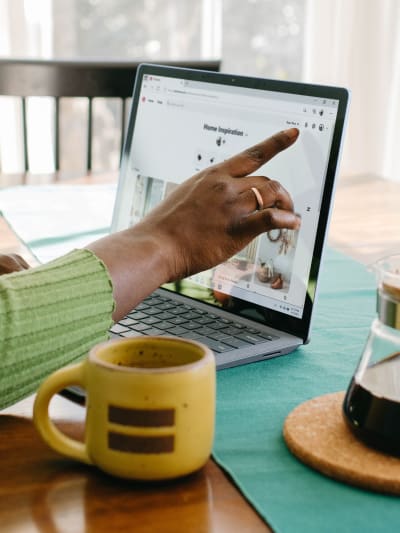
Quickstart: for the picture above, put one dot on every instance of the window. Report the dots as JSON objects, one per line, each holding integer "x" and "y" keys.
{"x": 255, "y": 37}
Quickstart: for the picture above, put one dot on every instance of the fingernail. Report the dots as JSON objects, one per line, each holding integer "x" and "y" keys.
{"x": 292, "y": 133}
{"x": 298, "y": 217}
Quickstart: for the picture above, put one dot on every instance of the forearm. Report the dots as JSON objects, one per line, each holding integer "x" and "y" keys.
{"x": 50, "y": 316}
{"x": 136, "y": 263}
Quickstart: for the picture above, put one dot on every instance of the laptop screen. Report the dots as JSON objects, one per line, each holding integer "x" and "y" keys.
{"x": 183, "y": 121}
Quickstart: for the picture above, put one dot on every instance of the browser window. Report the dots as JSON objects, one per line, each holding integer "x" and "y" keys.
{"x": 184, "y": 126}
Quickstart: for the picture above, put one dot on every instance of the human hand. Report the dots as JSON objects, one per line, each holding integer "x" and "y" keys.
{"x": 12, "y": 263}
{"x": 215, "y": 214}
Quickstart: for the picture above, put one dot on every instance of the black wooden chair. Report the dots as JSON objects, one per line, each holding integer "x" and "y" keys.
{"x": 74, "y": 78}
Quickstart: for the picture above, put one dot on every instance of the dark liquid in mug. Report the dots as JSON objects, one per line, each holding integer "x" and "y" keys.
{"x": 372, "y": 406}
{"x": 156, "y": 357}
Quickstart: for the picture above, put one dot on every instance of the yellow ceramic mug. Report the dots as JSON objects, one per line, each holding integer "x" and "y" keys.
{"x": 150, "y": 407}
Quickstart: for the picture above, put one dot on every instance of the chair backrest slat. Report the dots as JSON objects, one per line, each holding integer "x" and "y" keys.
{"x": 89, "y": 135}
{"x": 57, "y": 133}
{"x": 25, "y": 134}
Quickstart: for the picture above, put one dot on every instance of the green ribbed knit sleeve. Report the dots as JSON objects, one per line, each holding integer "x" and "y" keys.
{"x": 50, "y": 316}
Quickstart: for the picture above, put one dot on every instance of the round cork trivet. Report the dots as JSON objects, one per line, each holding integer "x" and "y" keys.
{"x": 316, "y": 433}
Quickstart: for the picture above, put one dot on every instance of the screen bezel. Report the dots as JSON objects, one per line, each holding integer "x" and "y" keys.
{"x": 299, "y": 327}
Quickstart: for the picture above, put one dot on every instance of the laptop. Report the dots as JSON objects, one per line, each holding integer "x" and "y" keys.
{"x": 259, "y": 304}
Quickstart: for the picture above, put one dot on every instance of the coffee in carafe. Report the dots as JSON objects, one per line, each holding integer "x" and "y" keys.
{"x": 372, "y": 403}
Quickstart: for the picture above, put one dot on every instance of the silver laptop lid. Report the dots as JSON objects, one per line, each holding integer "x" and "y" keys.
{"x": 183, "y": 120}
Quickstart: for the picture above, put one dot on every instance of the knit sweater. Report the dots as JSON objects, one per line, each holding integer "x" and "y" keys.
{"x": 50, "y": 316}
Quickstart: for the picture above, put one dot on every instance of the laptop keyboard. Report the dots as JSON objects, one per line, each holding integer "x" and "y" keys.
{"x": 160, "y": 315}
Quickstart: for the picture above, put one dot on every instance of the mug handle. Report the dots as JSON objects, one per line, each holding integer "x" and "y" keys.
{"x": 70, "y": 375}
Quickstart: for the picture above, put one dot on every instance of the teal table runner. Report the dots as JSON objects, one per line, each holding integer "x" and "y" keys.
{"x": 254, "y": 400}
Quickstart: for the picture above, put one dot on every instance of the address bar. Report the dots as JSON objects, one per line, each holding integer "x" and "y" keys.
{"x": 242, "y": 101}
{"x": 191, "y": 93}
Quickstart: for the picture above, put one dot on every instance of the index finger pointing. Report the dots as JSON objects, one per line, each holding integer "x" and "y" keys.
{"x": 253, "y": 158}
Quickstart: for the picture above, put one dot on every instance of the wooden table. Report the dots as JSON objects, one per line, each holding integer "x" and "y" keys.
{"x": 42, "y": 492}
{"x": 366, "y": 218}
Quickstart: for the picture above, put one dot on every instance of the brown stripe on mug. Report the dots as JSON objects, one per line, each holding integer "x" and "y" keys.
{"x": 140, "y": 444}
{"x": 141, "y": 417}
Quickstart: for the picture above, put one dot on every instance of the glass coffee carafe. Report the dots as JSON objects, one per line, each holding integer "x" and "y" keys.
{"x": 372, "y": 402}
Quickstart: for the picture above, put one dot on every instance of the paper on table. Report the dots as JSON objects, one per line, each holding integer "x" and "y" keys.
{"x": 54, "y": 219}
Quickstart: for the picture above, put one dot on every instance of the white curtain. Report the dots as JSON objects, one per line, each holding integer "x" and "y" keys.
{"x": 356, "y": 43}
